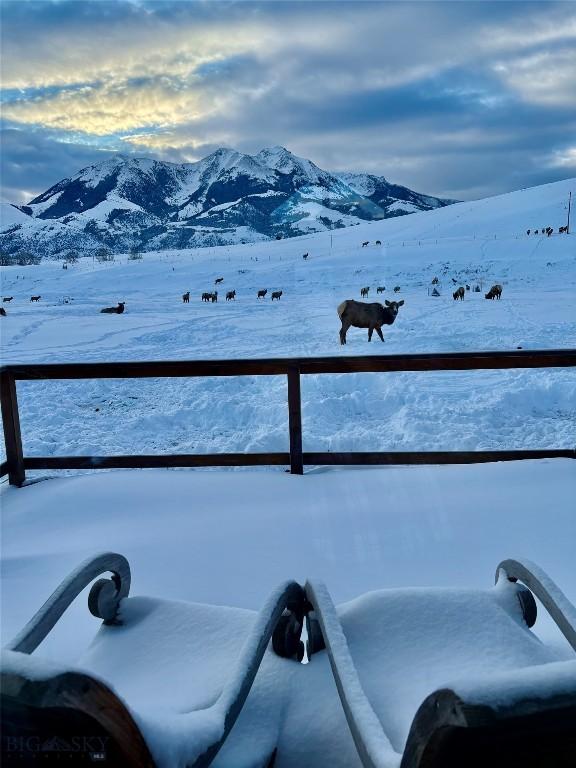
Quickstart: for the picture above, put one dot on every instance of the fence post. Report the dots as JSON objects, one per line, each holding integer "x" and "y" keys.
{"x": 11, "y": 423}
{"x": 295, "y": 421}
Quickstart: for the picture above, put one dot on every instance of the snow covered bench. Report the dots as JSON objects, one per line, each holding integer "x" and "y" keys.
{"x": 402, "y": 677}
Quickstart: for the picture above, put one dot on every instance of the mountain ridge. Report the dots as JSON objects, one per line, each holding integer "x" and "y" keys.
{"x": 127, "y": 202}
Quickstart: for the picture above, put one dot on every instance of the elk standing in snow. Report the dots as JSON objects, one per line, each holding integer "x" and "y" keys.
{"x": 459, "y": 294}
{"x": 276, "y": 295}
{"x": 231, "y": 295}
{"x": 35, "y": 298}
{"x": 262, "y": 294}
{"x": 494, "y": 293}
{"x": 186, "y": 297}
{"x": 371, "y": 316}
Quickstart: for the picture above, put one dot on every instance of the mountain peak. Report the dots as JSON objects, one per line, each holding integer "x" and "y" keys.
{"x": 274, "y": 151}
{"x": 222, "y": 152}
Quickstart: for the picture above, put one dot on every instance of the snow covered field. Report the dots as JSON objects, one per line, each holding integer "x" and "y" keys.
{"x": 227, "y": 538}
{"x": 476, "y": 243}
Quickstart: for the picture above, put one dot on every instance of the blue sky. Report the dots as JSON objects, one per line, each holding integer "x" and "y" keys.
{"x": 457, "y": 99}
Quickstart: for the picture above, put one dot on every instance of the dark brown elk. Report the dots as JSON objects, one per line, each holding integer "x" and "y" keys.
{"x": 304, "y": 256}
{"x": 371, "y": 316}
{"x": 276, "y": 295}
{"x": 114, "y": 310}
{"x": 7, "y": 298}
{"x": 527, "y": 231}
{"x": 206, "y": 296}
{"x": 494, "y": 293}
{"x": 364, "y": 292}
{"x": 214, "y": 296}
{"x": 186, "y": 297}
{"x": 378, "y": 242}
{"x": 365, "y": 243}
{"x": 397, "y": 289}
{"x": 35, "y": 298}
{"x": 381, "y": 289}
{"x": 3, "y": 312}
{"x": 231, "y": 295}
{"x": 262, "y": 294}
{"x": 459, "y": 294}
{"x": 467, "y": 287}
{"x": 218, "y": 280}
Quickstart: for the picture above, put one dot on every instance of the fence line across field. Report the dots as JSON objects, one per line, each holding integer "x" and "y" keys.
{"x": 16, "y": 463}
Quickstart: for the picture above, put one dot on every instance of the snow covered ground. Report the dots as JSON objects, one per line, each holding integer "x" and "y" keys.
{"x": 477, "y": 243}
{"x": 227, "y": 538}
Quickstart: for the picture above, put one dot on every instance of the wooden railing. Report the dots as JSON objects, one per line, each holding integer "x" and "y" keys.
{"x": 16, "y": 463}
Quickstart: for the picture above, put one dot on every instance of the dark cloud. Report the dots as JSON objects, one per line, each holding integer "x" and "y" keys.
{"x": 460, "y": 99}
{"x": 31, "y": 162}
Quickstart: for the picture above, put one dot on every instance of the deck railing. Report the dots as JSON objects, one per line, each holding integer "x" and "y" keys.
{"x": 16, "y": 463}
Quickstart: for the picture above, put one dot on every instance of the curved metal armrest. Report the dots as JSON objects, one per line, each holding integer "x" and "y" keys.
{"x": 549, "y": 594}
{"x": 289, "y": 596}
{"x": 103, "y": 600}
{"x": 372, "y": 743}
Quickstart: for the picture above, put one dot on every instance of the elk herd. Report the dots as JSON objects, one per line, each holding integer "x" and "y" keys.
{"x": 357, "y": 314}
{"x": 212, "y": 296}
{"x": 548, "y": 231}
{"x": 380, "y": 289}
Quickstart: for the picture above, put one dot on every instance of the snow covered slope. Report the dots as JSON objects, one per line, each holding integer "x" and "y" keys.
{"x": 477, "y": 244}
{"x": 227, "y": 197}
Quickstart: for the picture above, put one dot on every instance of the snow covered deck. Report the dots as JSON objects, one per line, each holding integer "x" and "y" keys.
{"x": 228, "y": 538}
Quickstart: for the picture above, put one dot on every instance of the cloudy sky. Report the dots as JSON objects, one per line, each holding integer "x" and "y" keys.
{"x": 457, "y": 99}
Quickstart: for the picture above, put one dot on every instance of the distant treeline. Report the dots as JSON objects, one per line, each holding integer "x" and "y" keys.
{"x": 24, "y": 259}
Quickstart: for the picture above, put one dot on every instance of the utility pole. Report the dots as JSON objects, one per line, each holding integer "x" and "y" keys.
{"x": 569, "y": 206}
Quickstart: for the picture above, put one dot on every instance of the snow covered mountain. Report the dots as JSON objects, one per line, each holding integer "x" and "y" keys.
{"x": 228, "y": 197}
{"x": 391, "y": 198}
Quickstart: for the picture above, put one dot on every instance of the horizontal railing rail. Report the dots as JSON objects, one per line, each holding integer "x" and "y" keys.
{"x": 16, "y": 463}
{"x": 434, "y": 361}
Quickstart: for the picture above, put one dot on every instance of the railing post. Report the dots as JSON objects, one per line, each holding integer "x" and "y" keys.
{"x": 295, "y": 421}
{"x": 11, "y": 423}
